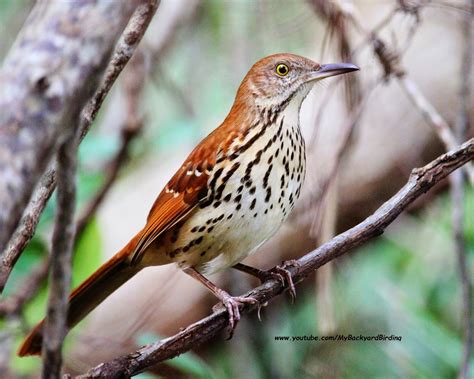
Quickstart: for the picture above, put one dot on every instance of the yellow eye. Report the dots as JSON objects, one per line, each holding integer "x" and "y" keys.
{"x": 282, "y": 69}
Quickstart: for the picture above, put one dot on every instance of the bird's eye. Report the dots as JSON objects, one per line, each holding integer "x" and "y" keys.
{"x": 282, "y": 69}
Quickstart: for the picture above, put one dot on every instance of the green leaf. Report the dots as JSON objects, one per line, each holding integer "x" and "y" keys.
{"x": 88, "y": 254}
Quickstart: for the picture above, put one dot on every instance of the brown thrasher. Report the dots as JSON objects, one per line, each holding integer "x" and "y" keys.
{"x": 231, "y": 194}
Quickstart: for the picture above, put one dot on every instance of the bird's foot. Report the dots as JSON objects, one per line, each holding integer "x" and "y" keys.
{"x": 279, "y": 273}
{"x": 261, "y": 275}
{"x": 231, "y": 304}
{"x": 282, "y": 272}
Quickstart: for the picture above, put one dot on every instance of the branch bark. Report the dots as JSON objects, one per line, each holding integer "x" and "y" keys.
{"x": 61, "y": 257}
{"x": 133, "y": 85}
{"x": 28, "y": 223}
{"x": 122, "y": 54}
{"x": 53, "y": 67}
{"x": 420, "y": 181}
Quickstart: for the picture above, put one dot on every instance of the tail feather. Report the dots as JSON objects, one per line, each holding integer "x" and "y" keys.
{"x": 110, "y": 276}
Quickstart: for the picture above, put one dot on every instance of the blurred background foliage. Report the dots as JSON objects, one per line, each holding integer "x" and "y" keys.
{"x": 405, "y": 283}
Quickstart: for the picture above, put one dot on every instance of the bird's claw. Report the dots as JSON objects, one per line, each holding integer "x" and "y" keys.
{"x": 283, "y": 272}
{"x": 231, "y": 305}
{"x": 271, "y": 274}
{"x": 259, "y": 308}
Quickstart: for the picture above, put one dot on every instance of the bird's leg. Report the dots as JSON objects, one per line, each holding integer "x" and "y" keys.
{"x": 262, "y": 275}
{"x": 279, "y": 273}
{"x": 282, "y": 270}
{"x": 231, "y": 303}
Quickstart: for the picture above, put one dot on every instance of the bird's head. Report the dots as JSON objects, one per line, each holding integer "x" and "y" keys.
{"x": 276, "y": 79}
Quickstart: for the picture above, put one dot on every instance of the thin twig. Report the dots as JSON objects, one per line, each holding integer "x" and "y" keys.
{"x": 420, "y": 181}
{"x": 133, "y": 84}
{"x": 61, "y": 259}
{"x": 429, "y": 112}
{"x": 124, "y": 50}
{"x": 317, "y": 200}
{"x": 176, "y": 15}
{"x": 53, "y": 67}
{"x": 390, "y": 61}
{"x": 337, "y": 28}
{"x": 325, "y": 201}
{"x": 448, "y": 5}
{"x": 28, "y": 224}
{"x": 433, "y": 117}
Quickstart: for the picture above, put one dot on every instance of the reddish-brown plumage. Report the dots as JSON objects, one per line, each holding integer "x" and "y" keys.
{"x": 231, "y": 194}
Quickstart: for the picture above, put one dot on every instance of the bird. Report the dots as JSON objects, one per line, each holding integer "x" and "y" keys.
{"x": 231, "y": 194}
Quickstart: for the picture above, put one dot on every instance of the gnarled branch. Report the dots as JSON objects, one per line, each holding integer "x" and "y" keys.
{"x": 420, "y": 181}
{"x": 52, "y": 69}
{"x": 124, "y": 50}
{"x": 61, "y": 257}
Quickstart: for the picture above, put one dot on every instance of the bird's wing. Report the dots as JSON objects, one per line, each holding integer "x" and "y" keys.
{"x": 186, "y": 189}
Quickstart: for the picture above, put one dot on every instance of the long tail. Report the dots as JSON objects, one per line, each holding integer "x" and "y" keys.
{"x": 110, "y": 276}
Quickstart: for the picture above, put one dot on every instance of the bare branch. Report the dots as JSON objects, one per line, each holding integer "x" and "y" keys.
{"x": 27, "y": 226}
{"x": 391, "y": 63}
{"x": 420, "y": 181}
{"x": 51, "y": 70}
{"x": 61, "y": 257}
{"x": 429, "y": 112}
{"x": 390, "y": 60}
{"x": 124, "y": 50}
{"x": 335, "y": 15}
{"x": 122, "y": 53}
{"x": 316, "y": 200}
{"x": 172, "y": 17}
{"x": 133, "y": 83}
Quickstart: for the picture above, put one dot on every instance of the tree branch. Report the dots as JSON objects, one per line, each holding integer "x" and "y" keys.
{"x": 133, "y": 85}
{"x": 61, "y": 257}
{"x": 53, "y": 67}
{"x": 27, "y": 227}
{"x": 420, "y": 181}
{"x": 390, "y": 61}
{"x": 125, "y": 48}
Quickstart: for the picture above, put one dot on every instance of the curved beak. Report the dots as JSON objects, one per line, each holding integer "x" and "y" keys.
{"x": 333, "y": 69}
